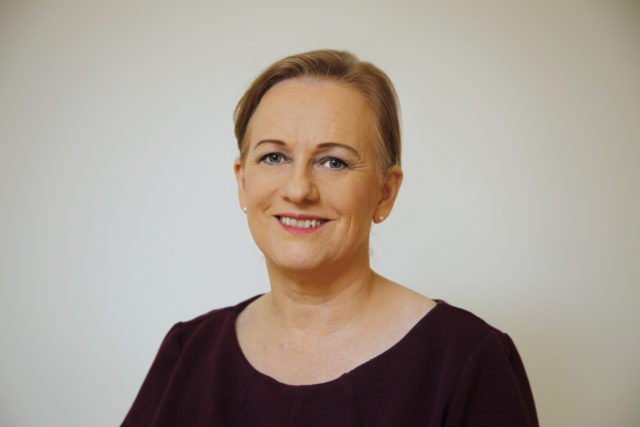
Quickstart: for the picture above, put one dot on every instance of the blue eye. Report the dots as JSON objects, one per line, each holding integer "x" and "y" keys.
{"x": 334, "y": 163}
{"x": 272, "y": 158}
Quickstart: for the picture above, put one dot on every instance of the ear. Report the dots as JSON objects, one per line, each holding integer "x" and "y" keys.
{"x": 238, "y": 170}
{"x": 390, "y": 187}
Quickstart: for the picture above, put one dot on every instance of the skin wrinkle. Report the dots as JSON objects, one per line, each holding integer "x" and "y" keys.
{"x": 299, "y": 129}
{"x": 322, "y": 313}
{"x": 321, "y": 147}
{"x": 373, "y": 127}
{"x": 327, "y": 310}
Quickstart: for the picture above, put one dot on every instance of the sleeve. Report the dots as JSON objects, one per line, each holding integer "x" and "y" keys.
{"x": 150, "y": 396}
{"x": 493, "y": 388}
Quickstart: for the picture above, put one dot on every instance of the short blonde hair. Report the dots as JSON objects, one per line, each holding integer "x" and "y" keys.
{"x": 343, "y": 67}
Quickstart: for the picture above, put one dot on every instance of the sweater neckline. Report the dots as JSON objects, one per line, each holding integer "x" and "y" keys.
{"x": 386, "y": 353}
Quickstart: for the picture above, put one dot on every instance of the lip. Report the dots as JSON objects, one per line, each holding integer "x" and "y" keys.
{"x": 299, "y": 230}
{"x": 299, "y": 216}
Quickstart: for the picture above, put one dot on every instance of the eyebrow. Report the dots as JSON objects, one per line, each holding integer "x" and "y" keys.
{"x": 322, "y": 145}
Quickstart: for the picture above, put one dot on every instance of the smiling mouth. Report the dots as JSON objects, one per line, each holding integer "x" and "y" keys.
{"x": 301, "y": 223}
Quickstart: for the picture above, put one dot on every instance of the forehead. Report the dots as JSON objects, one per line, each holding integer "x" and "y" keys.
{"x": 313, "y": 110}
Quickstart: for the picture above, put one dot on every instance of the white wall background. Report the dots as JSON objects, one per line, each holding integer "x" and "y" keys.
{"x": 118, "y": 210}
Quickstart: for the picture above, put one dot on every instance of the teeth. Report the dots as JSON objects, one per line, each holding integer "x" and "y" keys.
{"x": 301, "y": 223}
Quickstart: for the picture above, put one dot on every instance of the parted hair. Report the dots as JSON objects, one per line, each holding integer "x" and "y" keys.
{"x": 343, "y": 67}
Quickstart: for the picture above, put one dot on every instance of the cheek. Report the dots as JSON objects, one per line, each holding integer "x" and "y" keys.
{"x": 358, "y": 197}
{"x": 259, "y": 187}
{"x": 369, "y": 192}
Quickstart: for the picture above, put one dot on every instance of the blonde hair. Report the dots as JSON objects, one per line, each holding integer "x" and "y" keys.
{"x": 343, "y": 67}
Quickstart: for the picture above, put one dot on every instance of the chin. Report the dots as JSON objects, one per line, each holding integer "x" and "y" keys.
{"x": 298, "y": 264}
{"x": 295, "y": 260}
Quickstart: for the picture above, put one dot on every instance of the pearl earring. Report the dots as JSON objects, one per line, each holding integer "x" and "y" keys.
{"x": 380, "y": 218}
{"x": 244, "y": 209}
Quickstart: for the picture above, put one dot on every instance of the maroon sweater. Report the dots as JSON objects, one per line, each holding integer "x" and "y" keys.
{"x": 451, "y": 369}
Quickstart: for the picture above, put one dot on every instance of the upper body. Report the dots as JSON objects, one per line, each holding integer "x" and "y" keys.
{"x": 319, "y": 141}
{"x": 450, "y": 369}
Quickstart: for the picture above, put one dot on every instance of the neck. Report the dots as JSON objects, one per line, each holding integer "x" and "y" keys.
{"x": 319, "y": 304}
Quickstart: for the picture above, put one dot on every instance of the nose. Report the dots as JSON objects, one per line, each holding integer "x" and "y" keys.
{"x": 300, "y": 187}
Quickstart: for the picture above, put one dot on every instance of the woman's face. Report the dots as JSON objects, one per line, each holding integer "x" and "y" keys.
{"x": 309, "y": 179}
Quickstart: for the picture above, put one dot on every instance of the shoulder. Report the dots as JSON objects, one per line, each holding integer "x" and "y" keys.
{"x": 491, "y": 386}
{"x": 462, "y": 323}
{"x": 466, "y": 368}
{"x": 487, "y": 382}
{"x": 188, "y": 351}
{"x": 459, "y": 334}
{"x": 206, "y": 326}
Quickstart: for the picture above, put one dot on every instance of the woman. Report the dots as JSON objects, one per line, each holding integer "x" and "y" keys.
{"x": 333, "y": 343}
